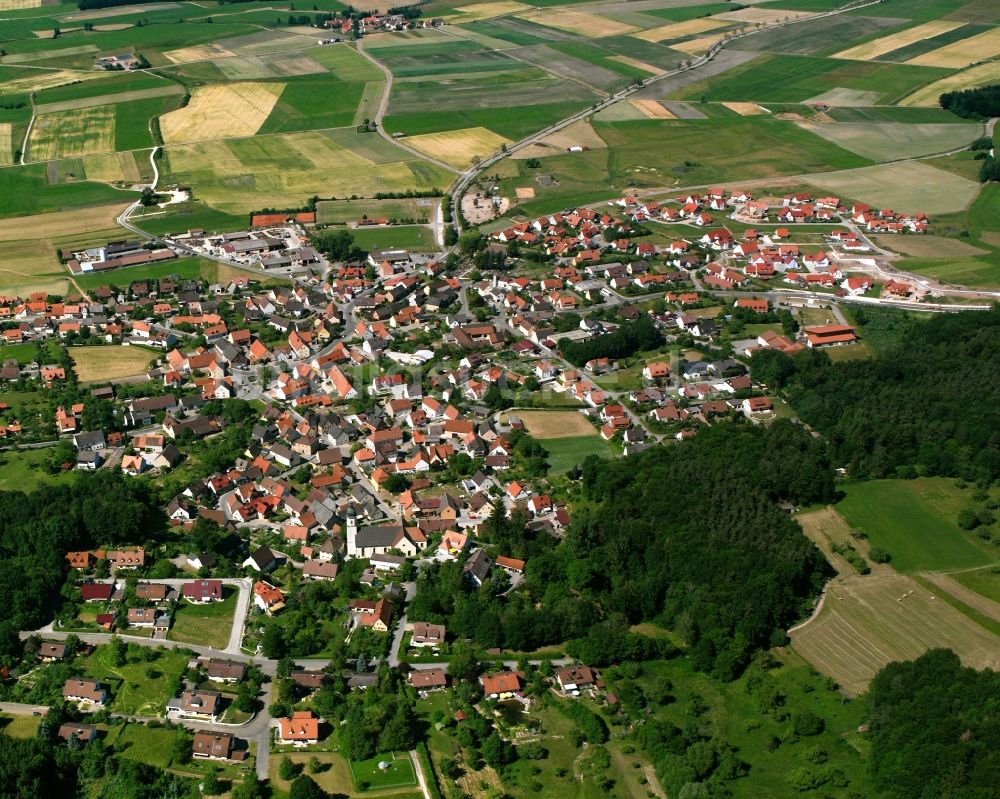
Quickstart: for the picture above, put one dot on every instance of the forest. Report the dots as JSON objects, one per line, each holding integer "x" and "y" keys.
{"x": 934, "y": 730}
{"x": 38, "y": 529}
{"x": 713, "y": 559}
{"x": 928, "y": 403}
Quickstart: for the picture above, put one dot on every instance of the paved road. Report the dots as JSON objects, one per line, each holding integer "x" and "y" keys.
{"x": 397, "y": 638}
{"x": 18, "y": 709}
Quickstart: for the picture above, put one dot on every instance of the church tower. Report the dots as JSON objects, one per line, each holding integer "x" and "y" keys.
{"x": 351, "y": 532}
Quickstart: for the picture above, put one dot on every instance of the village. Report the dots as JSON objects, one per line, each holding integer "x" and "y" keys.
{"x": 329, "y": 432}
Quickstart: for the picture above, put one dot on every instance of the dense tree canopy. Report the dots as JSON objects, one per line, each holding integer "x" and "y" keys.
{"x": 981, "y": 103}
{"x": 628, "y": 339}
{"x": 930, "y": 399}
{"x": 934, "y": 729}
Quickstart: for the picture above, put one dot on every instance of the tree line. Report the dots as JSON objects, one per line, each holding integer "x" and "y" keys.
{"x": 628, "y": 339}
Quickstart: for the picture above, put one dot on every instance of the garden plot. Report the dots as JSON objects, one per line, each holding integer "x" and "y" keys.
{"x": 458, "y": 147}
{"x": 890, "y": 141}
{"x": 223, "y": 111}
{"x": 72, "y": 133}
{"x": 896, "y": 41}
{"x": 964, "y": 52}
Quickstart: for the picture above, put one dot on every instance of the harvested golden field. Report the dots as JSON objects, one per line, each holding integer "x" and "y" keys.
{"x": 590, "y": 25}
{"x": 223, "y": 111}
{"x": 555, "y": 424}
{"x": 678, "y": 30}
{"x": 478, "y": 11}
{"x": 870, "y": 50}
{"x": 652, "y": 109}
{"x": 579, "y": 134}
{"x": 979, "y": 75}
{"x": 764, "y": 16}
{"x": 696, "y": 47}
{"x": 827, "y": 529}
{"x": 458, "y": 147}
{"x": 198, "y": 52}
{"x": 61, "y": 223}
{"x": 624, "y": 59}
{"x": 28, "y": 266}
{"x": 6, "y": 144}
{"x": 17, "y": 5}
{"x": 867, "y": 622}
{"x": 962, "y": 53}
{"x": 110, "y": 363}
{"x": 66, "y": 134}
{"x": 44, "y": 79}
{"x": 745, "y": 109}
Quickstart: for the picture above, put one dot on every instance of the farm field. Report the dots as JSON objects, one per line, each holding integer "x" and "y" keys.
{"x": 889, "y": 141}
{"x": 823, "y": 34}
{"x": 929, "y": 246}
{"x": 30, "y": 265}
{"x": 580, "y": 23}
{"x": 26, "y": 190}
{"x": 71, "y": 133}
{"x": 867, "y": 622}
{"x": 827, "y": 529}
{"x": 915, "y": 520}
{"x": 223, "y": 111}
{"x": 110, "y": 363}
{"x": 902, "y": 187}
{"x": 459, "y": 148}
{"x": 985, "y": 582}
{"x": 979, "y": 75}
{"x": 895, "y": 41}
{"x": 284, "y": 170}
{"x": 205, "y": 625}
{"x": 167, "y": 90}
{"x": 959, "y": 54}
{"x": 796, "y": 78}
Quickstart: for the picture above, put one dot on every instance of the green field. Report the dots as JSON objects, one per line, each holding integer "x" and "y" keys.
{"x": 205, "y": 625}
{"x": 24, "y": 471}
{"x": 409, "y": 237}
{"x": 284, "y": 170}
{"x": 565, "y": 453}
{"x": 794, "y": 79}
{"x": 915, "y": 520}
{"x": 826, "y": 34}
{"x": 26, "y": 190}
{"x": 20, "y": 726}
{"x": 983, "y": 581}
{"x": 514, "y": 123}
{"x": 349, "y": 211}
{"x": 313, "y": 102}
{"x": 186, "y": 216}
{"x": 141, "y": 688}
{"x": 399, "y": 774}
{"x": 890, "y": 141}
{"x": 184, "y": 268}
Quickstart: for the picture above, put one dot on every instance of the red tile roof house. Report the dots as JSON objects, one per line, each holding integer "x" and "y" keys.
{"x": 575, "y": 678}
{"x": 426, "y": 634}
{"x": 202, "y": 591}
{"x": 86, "y": 693}
{"x": 197, "y": 705}
{"x": 428, "y": 679}
{"x": 302, "y": 729}
{"x": 504, "y": 684}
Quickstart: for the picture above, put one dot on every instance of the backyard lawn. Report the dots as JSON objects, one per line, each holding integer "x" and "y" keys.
{"x": 139, "y": 688}
{"x": 205, "y": 625}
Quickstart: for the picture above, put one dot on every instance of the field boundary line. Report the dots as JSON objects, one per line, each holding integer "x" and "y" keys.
{"x": 816, "y": 611}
